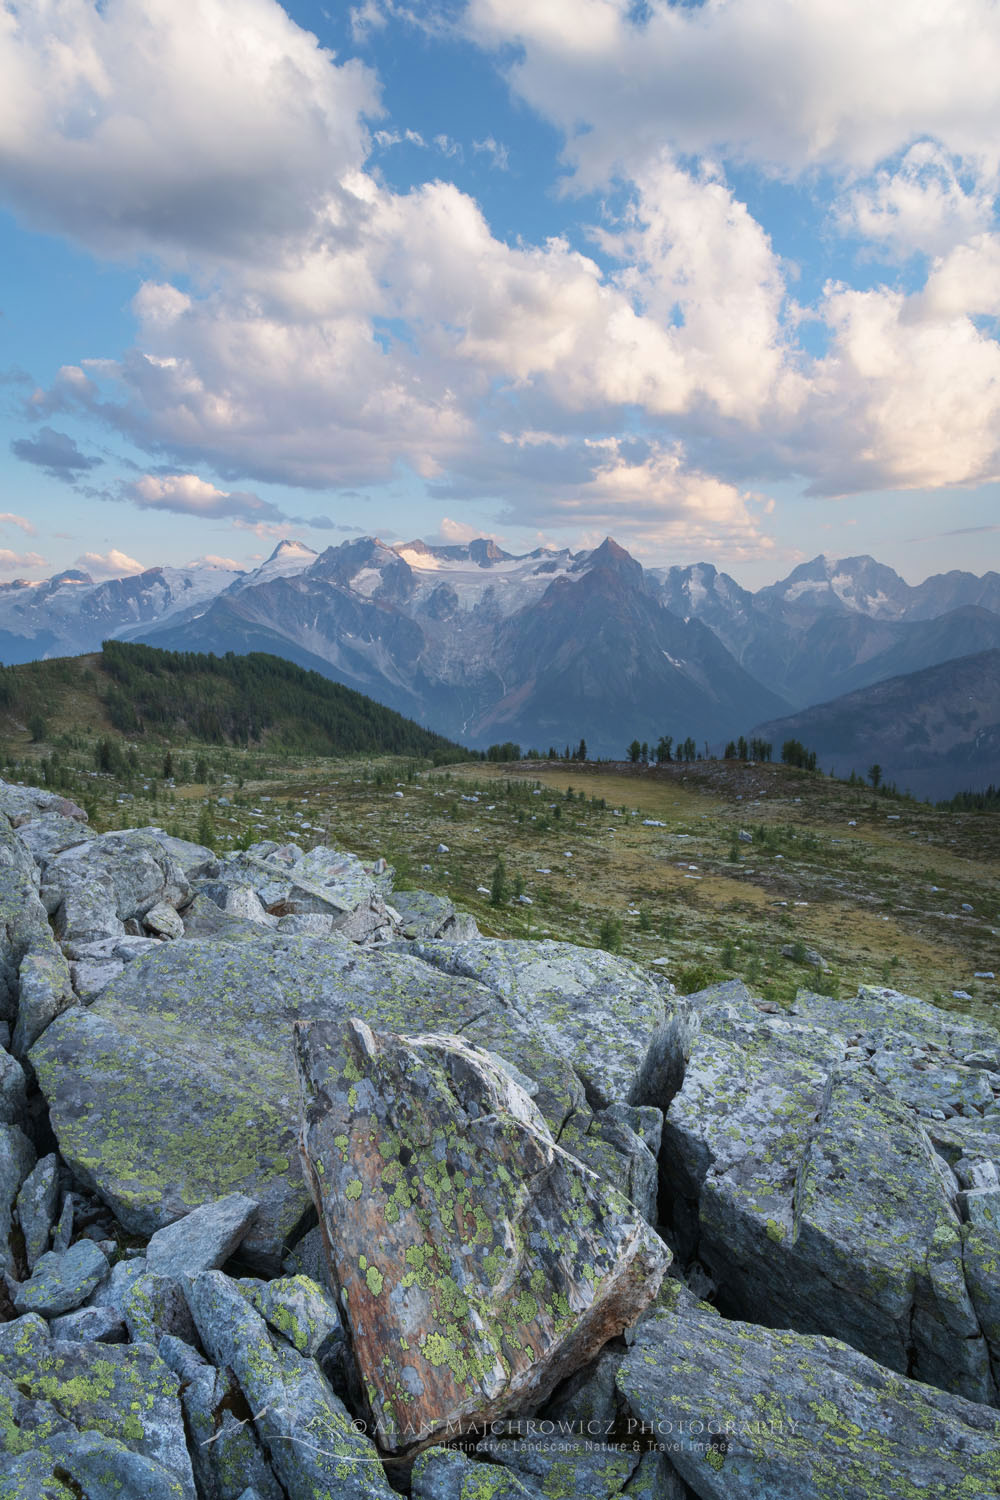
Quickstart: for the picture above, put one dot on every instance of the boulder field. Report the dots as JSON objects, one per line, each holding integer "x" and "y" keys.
{"x": 309, "y": 1190}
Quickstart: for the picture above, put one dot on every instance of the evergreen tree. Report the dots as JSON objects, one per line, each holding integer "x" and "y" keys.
{"x": 498, "y": 884}
{"x": 206, "y": 829}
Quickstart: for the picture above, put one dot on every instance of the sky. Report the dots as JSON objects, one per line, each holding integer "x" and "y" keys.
{"x": 720, "y": 279}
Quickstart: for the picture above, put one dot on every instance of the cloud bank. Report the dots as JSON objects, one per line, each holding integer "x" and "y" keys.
{"x": 309, "y": 325}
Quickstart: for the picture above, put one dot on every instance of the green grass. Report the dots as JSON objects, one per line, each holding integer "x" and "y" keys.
{"x": 592, "y": 869}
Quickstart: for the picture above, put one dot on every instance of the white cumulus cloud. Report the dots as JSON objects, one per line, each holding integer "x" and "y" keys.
{"x": 112, "y": 564}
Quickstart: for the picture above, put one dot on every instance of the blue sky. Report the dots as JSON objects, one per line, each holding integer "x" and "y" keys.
{"x": 722, "y": 280}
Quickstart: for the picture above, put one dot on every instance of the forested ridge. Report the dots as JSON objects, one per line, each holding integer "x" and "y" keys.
{"x": 217, "y": 700}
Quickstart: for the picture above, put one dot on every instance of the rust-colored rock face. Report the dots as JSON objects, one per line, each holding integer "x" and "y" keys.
{"x": 478, "y": 1263}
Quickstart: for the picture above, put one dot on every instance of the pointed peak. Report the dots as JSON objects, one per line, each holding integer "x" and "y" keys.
{"x": 610, "y": 554}
{"x": 289, "y": 548}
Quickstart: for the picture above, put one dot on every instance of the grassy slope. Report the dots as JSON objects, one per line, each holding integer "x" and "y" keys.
{"x": 862, "y": 896}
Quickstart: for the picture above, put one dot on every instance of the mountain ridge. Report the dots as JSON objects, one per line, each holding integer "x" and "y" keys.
{"x": 928, "y": 731}
{"x": 541, "y": 647}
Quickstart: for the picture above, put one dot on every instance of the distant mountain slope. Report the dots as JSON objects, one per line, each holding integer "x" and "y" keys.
{"x": 544, "y": 647}
{"x": 600, "y": 656}
{"x": 541, "y": 649}
{"x": 833, "y": 625}
{"x": 934, "y": 732}
{"x": 70, "y": 613}
{"x": 252, "y": 699}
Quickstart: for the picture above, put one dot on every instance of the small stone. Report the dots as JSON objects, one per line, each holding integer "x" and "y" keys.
{"x": 155, "y": 1305}
{"x": 802, "y": 955}
{"x": 60, "y": 1282}
{"x": 163, "y": 921}
{"x": 13, "y": 1090}
{"x": 300, "y": 1310}
{"x": 203, "y": 1239}
{"x": 36, "y": 1207}
{"x": 90, "y": 1325}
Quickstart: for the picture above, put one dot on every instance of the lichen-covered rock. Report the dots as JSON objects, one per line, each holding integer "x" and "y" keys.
{"x": 236, "y": 901}
{"x": 657, "y": 1479}
{"x": 124, "y": 1275}
{"x": 92, "y": 888}
{"x": 17, "y": 1158}
{"x": 99, "y": 1467}
{"x": 811, "y": 1192}
{"x": 45, "y": 990}
{"x": 226, "y": 1456}
{"x": 285, "y": 882}
{"x": 424, "y": 915}
{"x": 314, "y": 1448}
{"x": 155, "y": 1306}
{"x": 569, "y": 1465}
{"x": 300, "y": 1310}
{"x": 610, "y": 1146}
{"x": 204, "y": 919}
{"x": 203, "y": 1239}
{"x": 447, "y": 1474}
{"x": 195, "y": 860}
{"x": 50, "y": 833}
{"x": 37, "y": 1205}
{"x": 177, "y": 1086}
{"x": 23, "y": 922}
{"x": 60, "y": 1282}
{"x": 13, "y": 1090}
{"x": 119, "y": 1391}
{"x": 478, "y": 1263}
{"x": 307, "y": 1257}
{"x": 25, "y": 804}
{"x": 163, "y": 921}
{"x": 597, "y": 1011}
{"x": 981, "y": 1258}
{"x": 754, "y": 1414}
{"x": 90, "y": 1325}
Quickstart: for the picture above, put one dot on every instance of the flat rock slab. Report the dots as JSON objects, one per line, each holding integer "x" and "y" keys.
{"x": 754, "y": 1414}
{"x": 62, "y": 1281}
{"x": 802, "y": 1176}
{"x": 596, "y": 1011}
{"x": 71, "y": 1464}
{"x": 177, "y": 1086}
{"x": 203, "y": 1239}
{"x": 118, "y": 1391}
{"x": 478, "y": 1263}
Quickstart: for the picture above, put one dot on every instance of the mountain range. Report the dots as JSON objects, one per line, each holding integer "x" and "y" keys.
{"x": 541, "y": 648}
